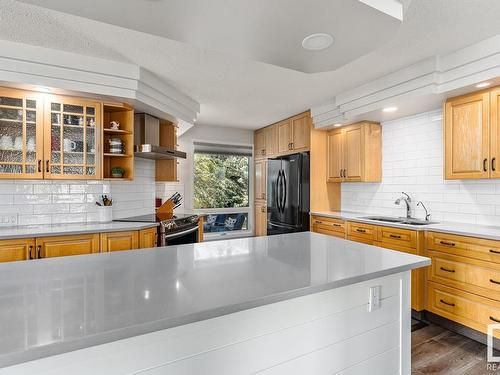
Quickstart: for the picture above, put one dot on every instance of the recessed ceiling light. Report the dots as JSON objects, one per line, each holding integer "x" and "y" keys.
{"x": 317, "y": 42}
{"x": 194, "y": 120}
{"x": 390, "y": 109}
{"x": 483, "y": 84}
{"x": 337, "y": 125}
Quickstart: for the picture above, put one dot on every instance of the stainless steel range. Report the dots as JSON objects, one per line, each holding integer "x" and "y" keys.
{"x": 173, "y": 229}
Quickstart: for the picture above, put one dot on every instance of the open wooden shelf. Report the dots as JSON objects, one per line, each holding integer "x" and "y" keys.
{"x": 123, "y": 114}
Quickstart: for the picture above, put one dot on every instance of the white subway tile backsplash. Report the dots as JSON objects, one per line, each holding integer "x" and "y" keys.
{"x": 54, "y": 202}
{"x": 412, "y": 161}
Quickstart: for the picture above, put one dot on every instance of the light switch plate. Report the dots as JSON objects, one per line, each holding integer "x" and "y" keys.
{"x": 375, "y": 295}
{"x": 8, "y": 220}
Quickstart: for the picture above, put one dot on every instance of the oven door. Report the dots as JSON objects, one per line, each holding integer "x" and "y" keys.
{"x": 185, "y": 236}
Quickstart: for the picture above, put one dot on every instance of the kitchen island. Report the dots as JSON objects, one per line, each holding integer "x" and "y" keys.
{"x": 295, "y": 303}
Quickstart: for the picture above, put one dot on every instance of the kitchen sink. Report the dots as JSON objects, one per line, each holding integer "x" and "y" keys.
{"x": 399, "y": 220}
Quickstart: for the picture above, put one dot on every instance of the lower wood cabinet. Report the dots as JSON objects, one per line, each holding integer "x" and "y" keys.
{"x": 119, "y": 241}
{"x": 147, "y": 238}
{"x": 330, "y": 226}
{"x": 17, "y": 249}
{"x": 260, "y": 219}
{"x": 57, "y": 246}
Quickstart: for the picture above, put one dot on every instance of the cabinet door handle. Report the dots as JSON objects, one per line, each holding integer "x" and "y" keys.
{"x": 494, "y": 320}
{"x": 494, "y": 251}
{"x": 263, "y": 209}
{"x": 360, "y": 230}
{"x": 493, "y": 164}
{"x": 447, "y": 243}
{"x": 39, "y": 165}
{"x": 447, "y": 270}
{"x": 447, "y": 303}
{"x": 263, "y": 195}
{"x": 494, "y": 282}
{"x": 485, "y": 165}
{"x": 30, "y": 252}
{"x": 39, "y": 251}
{"x": 345, "y": 173}
{"x": 47, "y": 166}
{"x": 395, "y": 236}
{"x": 291, "y": 146}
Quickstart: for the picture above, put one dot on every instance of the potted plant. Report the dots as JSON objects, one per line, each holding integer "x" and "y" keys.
{"x": 117, "y": 172}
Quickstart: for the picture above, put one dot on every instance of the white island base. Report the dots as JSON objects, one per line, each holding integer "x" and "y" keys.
{"x": 329, "y": 332}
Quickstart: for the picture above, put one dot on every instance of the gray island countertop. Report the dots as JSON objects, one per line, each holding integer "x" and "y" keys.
{"x": 27, "y": 231}
{"x": 56, "y": 305}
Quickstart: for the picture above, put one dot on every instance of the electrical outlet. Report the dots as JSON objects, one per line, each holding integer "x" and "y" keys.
{"x": 375, "y": 295}
{"x": 8, "y": 220}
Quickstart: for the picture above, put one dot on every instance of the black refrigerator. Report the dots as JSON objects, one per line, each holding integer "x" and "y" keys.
{"x": 288, "y": 194}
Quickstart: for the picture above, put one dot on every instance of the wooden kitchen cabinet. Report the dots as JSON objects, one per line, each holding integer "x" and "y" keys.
{"x": 330, "y": 226}
{"x": 355, "y": 153}
{"x": 260, "y": 144}
{"x": 119, "y": 241}
{"x": 495, "y": 132}
{"x": 72, "y": 138}
{"x": 17, "y": 249}
{"x": 147, "y": 238}
{"x": 21, "y": 134}
{"x": 294, "y": 134}
{"x": 57, "y": 246}
{"x": 260, "y": 179}
{"x": 260, "y": 219}
{"x": 467, "y": 136}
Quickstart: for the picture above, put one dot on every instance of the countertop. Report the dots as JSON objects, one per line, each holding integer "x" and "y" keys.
{"x": 472, "y": 230}
{"x": 27, "y": 231}
{"x": 56, "y": 305}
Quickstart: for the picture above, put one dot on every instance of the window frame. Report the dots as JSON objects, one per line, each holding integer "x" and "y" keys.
{"x": 208, "y": 236}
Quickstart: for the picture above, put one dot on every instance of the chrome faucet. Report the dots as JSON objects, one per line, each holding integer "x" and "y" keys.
{"x": 406, "y": 198}
{"x": 427, "y": 214}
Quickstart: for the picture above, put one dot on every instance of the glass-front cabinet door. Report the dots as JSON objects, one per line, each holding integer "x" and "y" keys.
{"x": 21, "y": 134}
{"x": 72, "y": 139}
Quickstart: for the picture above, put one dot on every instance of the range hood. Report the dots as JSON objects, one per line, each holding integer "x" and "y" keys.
{"x": 148, "y": 143}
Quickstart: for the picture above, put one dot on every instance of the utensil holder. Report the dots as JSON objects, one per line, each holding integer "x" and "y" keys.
{"x": 104, "y": 214}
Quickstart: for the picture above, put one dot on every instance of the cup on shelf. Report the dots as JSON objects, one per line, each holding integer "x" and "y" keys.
{"x": 69, "y": 145}
{"x": 6, "y": 142}
{"x": 18, "y": 143}
{"x": 31, "y": 145}
{"x": 114, "y": 125}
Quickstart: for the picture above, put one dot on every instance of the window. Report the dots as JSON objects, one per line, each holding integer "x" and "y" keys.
{"x": 222, "y": 188}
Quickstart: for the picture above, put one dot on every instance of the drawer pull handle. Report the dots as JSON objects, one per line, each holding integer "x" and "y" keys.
{"x": 395, "y": 236}
{"x": 447, "y": 243}
{"x": 494, "y": 251}
{"x": 318, "y": 222}
{"x": 447, "y": 303}
{"x": 336, "y": 225}
{"x": 495, "y": 320}
{"x": 494, "y": 282}
{"x": 448, "y": 270}
{"x": 360, "y": 230}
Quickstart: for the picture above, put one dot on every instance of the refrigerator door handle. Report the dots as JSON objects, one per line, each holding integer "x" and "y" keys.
{"x": 284, "y": 191}
{"x": 278, "y": 191}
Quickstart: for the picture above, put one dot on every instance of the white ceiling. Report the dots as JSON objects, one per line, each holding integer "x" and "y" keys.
{"x": 238, "y": 91}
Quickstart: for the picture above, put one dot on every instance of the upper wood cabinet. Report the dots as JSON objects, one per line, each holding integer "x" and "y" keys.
{"x": 21, "y": 134}
{"x": 294, "y": 134}
{"x": 285, "y": 137}
{"x": 355, "y": 153}
{"x": 495, "y": 132}
{"x": 467, "y": 136}
{"x": 72, "y": 138}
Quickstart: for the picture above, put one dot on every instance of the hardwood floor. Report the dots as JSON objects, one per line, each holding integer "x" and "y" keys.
{"x": 436, "y": 350}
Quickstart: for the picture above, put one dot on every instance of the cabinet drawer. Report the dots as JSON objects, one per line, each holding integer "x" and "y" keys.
{"x": 471, "y": 247}
{"x": 326, "y": 223}
{"x": 397, "y": 236}
{"x": 58, "y": 246}
{"x": 466, "y": 274}
{"x": 328, "y": 232}
{"x": 367, "y": 241}
{"x": 464, "y": 308}
{"x": 361, "y": 230}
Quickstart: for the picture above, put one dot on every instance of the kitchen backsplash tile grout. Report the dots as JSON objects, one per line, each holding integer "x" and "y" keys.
{"x": 54, "y": 202}
{"x": 412, "y": 159}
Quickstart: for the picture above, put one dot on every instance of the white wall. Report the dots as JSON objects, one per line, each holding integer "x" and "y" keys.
{"x": 412, "y": 158}
{"x": 52, "y": 202}
{"x": 200, "y": 133}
